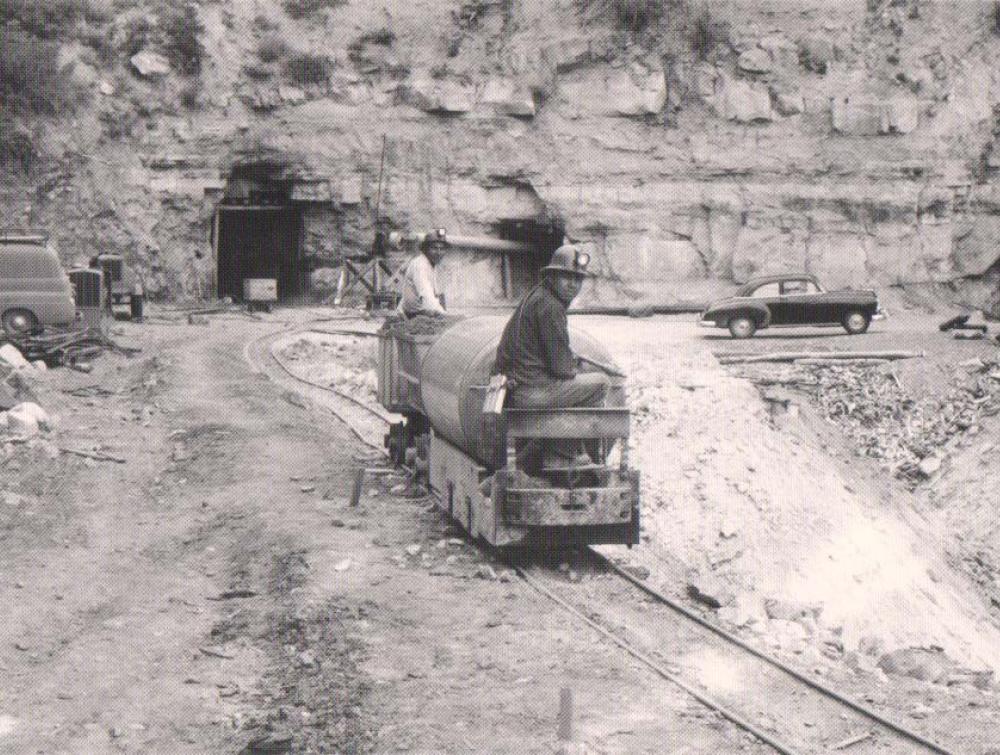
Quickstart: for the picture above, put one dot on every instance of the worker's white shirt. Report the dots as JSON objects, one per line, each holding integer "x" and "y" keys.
{"x": 419, "y": 287}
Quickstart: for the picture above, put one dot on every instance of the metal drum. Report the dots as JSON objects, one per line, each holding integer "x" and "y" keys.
{"x": 460, "y": 361}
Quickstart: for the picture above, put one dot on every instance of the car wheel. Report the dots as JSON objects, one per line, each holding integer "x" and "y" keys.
{"x": 856, "y": 322}
{"x": 19, "y": 322}
{"x": 742, "y": 327}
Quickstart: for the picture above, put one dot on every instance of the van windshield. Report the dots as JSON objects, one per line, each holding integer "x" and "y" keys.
{"x": 28, "y": 261}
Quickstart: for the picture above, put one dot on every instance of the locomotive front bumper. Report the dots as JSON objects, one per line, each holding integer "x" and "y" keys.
{"x": 560, "y": 507}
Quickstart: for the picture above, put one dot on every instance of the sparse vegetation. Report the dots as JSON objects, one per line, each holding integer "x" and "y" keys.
{"x": 48, "y": 19}
{"x": 306, "y": 69}
{"x": 356, "y": 51}
{"x": 263, "y": 23}
{"x": 30, "y": 78}
{"x": 189, "y": 94}
{"x": 136, "y": 35}
{"x": 272, "y": 48}
{"x": 707, "y": 34}
{"x": 182, "y": 29}
{"x": 632, "y": 16}
{"x": 302, "y": 9}
{"x": 17, "y": 149}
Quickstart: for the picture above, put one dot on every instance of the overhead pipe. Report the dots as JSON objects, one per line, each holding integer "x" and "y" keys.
{"x": 483, "y": 243}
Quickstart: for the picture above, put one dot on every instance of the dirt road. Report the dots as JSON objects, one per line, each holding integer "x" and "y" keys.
{"x": 216, "y": 593}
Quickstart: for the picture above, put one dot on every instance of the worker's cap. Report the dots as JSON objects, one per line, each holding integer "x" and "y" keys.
{"x": 438, "y": 237}
{"x": 570, "y": 259}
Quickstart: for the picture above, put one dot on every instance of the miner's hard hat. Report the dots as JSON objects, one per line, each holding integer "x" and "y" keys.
{"x": 569, "y": 259}
{"x": 437, "y": 236}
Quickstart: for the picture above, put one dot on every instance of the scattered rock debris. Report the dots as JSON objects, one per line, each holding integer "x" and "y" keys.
{"x": 885, "y": 422}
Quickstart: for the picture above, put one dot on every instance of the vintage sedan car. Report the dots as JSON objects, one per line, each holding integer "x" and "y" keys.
{"x": 791, "y": 300}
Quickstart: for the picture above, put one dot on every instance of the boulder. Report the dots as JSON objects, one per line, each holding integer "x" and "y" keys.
{"x": 106, "y": 88}
{"x": 508, "y": 97}
{"x": 637, "y": 91}
{"x": 902, "y": 115}
{"x": 265, "y": 98}
{"x": 755, "y": 60}
{"x": 438, "y": 96}
{"x": 856, "y": 116}
{"x": 790, "y": 610}
{"x": 787, "y": 102}
{"x": 454, "y": 97}
{"x": 10, "y": 355}
{"x": 710, "y": 591}
{"x": 705, "y": 77}
{"x": 976, "y": 250}
{"x": 742, "y": 101}
{"x": 150, "y": 64}
{"x": 290, "y": 94}
{"x": 27, "y": 419}
{"x": 783, "y": 51}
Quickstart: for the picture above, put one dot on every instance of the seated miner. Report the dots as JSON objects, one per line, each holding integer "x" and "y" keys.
{"x": 542, "y": 372}
{"x": 420, "y": 294}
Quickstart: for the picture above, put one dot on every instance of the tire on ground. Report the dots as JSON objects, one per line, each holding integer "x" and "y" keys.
{"x": 742, "y": 326}
{"x": 856, "y": 322}
{"x": 18, "y": 321}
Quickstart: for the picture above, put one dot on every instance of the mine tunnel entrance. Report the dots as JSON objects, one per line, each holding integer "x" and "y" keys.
{"x": 522, "y": 270}
{"x": 258, "y": 234}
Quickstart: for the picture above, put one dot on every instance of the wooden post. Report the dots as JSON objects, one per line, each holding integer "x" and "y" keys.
{"x": 359, "y": 481}
{"x": 565, "y": 732}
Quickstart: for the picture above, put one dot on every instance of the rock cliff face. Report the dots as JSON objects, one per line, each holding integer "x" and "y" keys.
{"x": 703, "y": 145}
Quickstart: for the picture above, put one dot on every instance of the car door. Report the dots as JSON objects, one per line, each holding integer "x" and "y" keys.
{"x": 768, "y": 294}
{"x": 799, "y": 303}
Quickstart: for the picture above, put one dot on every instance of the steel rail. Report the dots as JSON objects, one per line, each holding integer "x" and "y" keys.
{"x": 337, "y": 415}
{"x": 701, "y": 697}
{"x": 335, "y": 391}
{"x": 794, "y": 673}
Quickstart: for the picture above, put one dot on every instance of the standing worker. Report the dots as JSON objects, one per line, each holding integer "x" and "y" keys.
{"x": 420, "y": 294}
{"x": 534, "y": 354}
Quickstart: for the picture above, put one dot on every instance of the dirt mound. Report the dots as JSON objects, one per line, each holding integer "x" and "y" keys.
{"x": 763, "y": 508}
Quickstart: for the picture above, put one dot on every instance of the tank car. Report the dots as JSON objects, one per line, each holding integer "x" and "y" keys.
{"x": 440, "y": 384}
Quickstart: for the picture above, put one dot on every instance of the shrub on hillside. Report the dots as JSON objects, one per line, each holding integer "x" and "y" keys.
{"x": 707, "y": 34}
{"x": 17, "y": 150}
{"x": 136, "y": 34}
{"x": 30, "y": 78}
{"x": 632, "y": 16}
{"x": 272, "y": 48}
{"x": 304, "y": 69}
{"x": 300, "y": 9}
{"x": 49, "y": 19}
{"x": 182, "y": 30}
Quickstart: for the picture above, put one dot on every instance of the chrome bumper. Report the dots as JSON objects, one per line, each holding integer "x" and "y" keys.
{"x": 880, "y": 314}
{"x": 707, "y": 324}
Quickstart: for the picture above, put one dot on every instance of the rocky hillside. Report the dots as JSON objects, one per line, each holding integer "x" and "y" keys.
{"x": 692, "y": 144}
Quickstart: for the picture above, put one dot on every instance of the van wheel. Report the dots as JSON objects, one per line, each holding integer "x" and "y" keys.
{"x": 19, "y": 322}
{"x": 742, "y": 327}
{"x": 856, "y": 322}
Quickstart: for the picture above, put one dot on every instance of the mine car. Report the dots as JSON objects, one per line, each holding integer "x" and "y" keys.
{"x": 440, "y": 383}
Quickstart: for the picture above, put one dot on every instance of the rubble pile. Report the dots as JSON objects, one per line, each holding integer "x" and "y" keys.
{"x": 346, "y": 363}
{"x": 66, "y": 347}
{"x": 886, "y": 423}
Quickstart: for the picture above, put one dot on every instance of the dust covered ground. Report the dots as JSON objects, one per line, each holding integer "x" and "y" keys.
{"x": 216, "y": 592}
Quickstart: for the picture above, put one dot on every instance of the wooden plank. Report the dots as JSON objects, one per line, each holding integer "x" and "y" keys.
{"x": 578, "y": 422}
{"x": 562, "y": 507}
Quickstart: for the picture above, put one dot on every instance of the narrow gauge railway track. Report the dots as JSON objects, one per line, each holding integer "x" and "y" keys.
{"x": 792, "y": 712}
{"x": 787, "y": 709}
